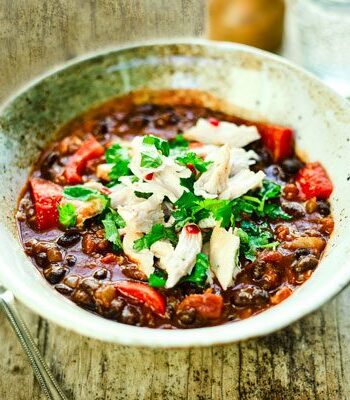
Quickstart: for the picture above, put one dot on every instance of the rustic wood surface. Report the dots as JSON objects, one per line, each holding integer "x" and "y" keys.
{"x": 308, "y": 360}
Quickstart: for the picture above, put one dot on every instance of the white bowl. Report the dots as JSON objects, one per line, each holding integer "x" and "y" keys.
{"x": 262, "y": 84}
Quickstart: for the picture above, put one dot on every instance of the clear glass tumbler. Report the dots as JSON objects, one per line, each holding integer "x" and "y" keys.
{"x": 323, "y": 29}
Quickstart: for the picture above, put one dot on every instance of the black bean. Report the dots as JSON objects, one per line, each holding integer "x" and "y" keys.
{"x": 294, "y": 209}
{"x": 302, "y": 252}
{"x": 117, "y": 305}
{"x": 259, "y": 269}
{"x": 55, "y": 273}
{"x": 138, "y": 121}
{"x": 250, "y": 296}
{"x": 83, "y": 298}
{"x": 89, "y": 285}
{"x": 305, "y": 264}
{"x": 130, "y": 315}
{"x": 187, "y": 317}
{"x": 291, "y": 165}
{"x": 70, "y": 260}
{"x": 69, "y": 238}
{"x": 63, "y": 289}
{"x": 101, "y": 273}
{"x": 41, "y": 260}
{"x": 323, "y": 207}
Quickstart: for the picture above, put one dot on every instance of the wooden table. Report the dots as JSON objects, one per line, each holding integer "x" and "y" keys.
{"x": 308, "y": 360}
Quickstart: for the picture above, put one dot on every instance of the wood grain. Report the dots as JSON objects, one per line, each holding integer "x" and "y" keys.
{"x": 308, "y": 360}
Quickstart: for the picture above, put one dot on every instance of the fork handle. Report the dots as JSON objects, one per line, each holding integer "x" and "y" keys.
{"x": 44, "y": 376}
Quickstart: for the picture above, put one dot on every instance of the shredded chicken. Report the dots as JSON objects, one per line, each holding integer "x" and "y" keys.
{"x": 223, "y": 133}
{"x": 85, "y": 209}
{"x": 223, "y": 255}
{"x": 162, "y": 250}
{"x": 103, "y": 171}
{"x": 143, "y": 258}
{"x": 180, "y": 262}
{"x": 215, "y": 179}
{"x": 242, "y": 159}
{"x": 141, "y": 216}
{"x": 241, "y": 183}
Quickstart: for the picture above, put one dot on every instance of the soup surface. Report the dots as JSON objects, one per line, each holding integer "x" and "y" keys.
{"x": 174, "y": 216}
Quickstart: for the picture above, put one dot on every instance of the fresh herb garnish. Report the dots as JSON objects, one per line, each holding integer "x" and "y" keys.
{"x": 150, "y": 161}
{"x": 221, "y": 210}
{"x": 199, "y": 273}
{"x": 142, "y": 195}
{"x": 196, "y": 161}
{"x": 157, "y": 279}
{"x": 80, "y": 192}
{"x": 159, "y": 144}
{"x": 67, "y": 215}
{"x": 253, "y": 237}
{"x": 158, "y": 232}
{"x": 118, "y": 156}
{"x": 179, "y": 141}
{"x": 111, "y": 223}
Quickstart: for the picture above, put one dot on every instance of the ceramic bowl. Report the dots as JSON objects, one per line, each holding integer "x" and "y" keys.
{"x": 261, "y": 85}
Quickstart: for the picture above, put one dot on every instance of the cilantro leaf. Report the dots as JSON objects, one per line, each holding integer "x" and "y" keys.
{"x": 80, "y": 192}
{"x": 269, "y": 190}
{"x": 199, "y": 273}
{"x": 196, "y": 161}
{"x": 157, "y": 279}
{"x": 67, "y": 215}
{"x": 179, "y": 141}
{"x": 158, "y": 143}
{"x": 142, "y": 195}
{"x": 220, "y": 209}
{"x": 111, "y": 223}
{"x": 118, "y": 156}
{"x": 253, "y": 237}
{"x": 116, "y": 153}
{"x": 150, "y": 161}
{"x": 274, "y": 211}
{"x": 158, "y": 232}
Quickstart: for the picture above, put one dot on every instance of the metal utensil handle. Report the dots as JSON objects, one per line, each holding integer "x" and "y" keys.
{"x": 44, "y": 376}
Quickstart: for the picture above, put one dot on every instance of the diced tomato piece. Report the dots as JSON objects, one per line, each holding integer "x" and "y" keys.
{"x": 207, "y": 305}
{"x": 109, "y": 258}
{"x": 281, "y": 295}
{"x": 89, "y": 150}
{"x": 143, "y": 293}
{"x": 278, "y": 139}
{"x": 46, "y": 197}
{"x": 313, "y": 181}
{"x": 214, "y": 121}
{"x": 192, "y": 168}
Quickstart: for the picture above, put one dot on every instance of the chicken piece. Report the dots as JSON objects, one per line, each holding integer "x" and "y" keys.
{"x": 181, "y": 261}
{"x": 162, "y": 250}
{"x": 169, "y": 181}
{"x": 122, "y": 195}
{"x": 103, "y": 171}
{"x": 222, "y": 133}
{"x": 214, "y": 181}
{"x": 143, "y": 258}
{"x": 242, "y": 159}
{"x": 208, "y": 222}
{"x": 241, "y": 183}
{"x": 223, "y": 255}
{"x": 86, "y": 209}
{"x": 143, "y": 214}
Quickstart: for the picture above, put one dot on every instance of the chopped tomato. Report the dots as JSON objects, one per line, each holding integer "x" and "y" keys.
{"x": 89, "y": 150}
{"x": 46, "y": 197}
{"x": 281, "y": 295}
{"x": 143, "y": 293}
{"x": 109, "y": 258}
{"x": 278, "y": 139}
{"x": 207, "y": 305}
{"x": 313, "y": 181}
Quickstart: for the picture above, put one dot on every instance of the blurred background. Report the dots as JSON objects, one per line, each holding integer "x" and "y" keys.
{"x": 312, "y": 33}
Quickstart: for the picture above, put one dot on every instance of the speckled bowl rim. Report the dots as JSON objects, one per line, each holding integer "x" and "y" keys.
{"x": 99, "y": 328}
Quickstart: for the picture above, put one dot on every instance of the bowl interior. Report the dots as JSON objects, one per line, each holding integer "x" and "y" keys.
{"x": 255, "y": 84}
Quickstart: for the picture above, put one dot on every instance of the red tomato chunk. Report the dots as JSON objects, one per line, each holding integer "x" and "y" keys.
{"x": 89, "y": 150}
{"x": 143, "y": 293}
{"x": 278, "y": 139}
{"x": 46, "y": 197}
{"x": 313, "y": 181}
